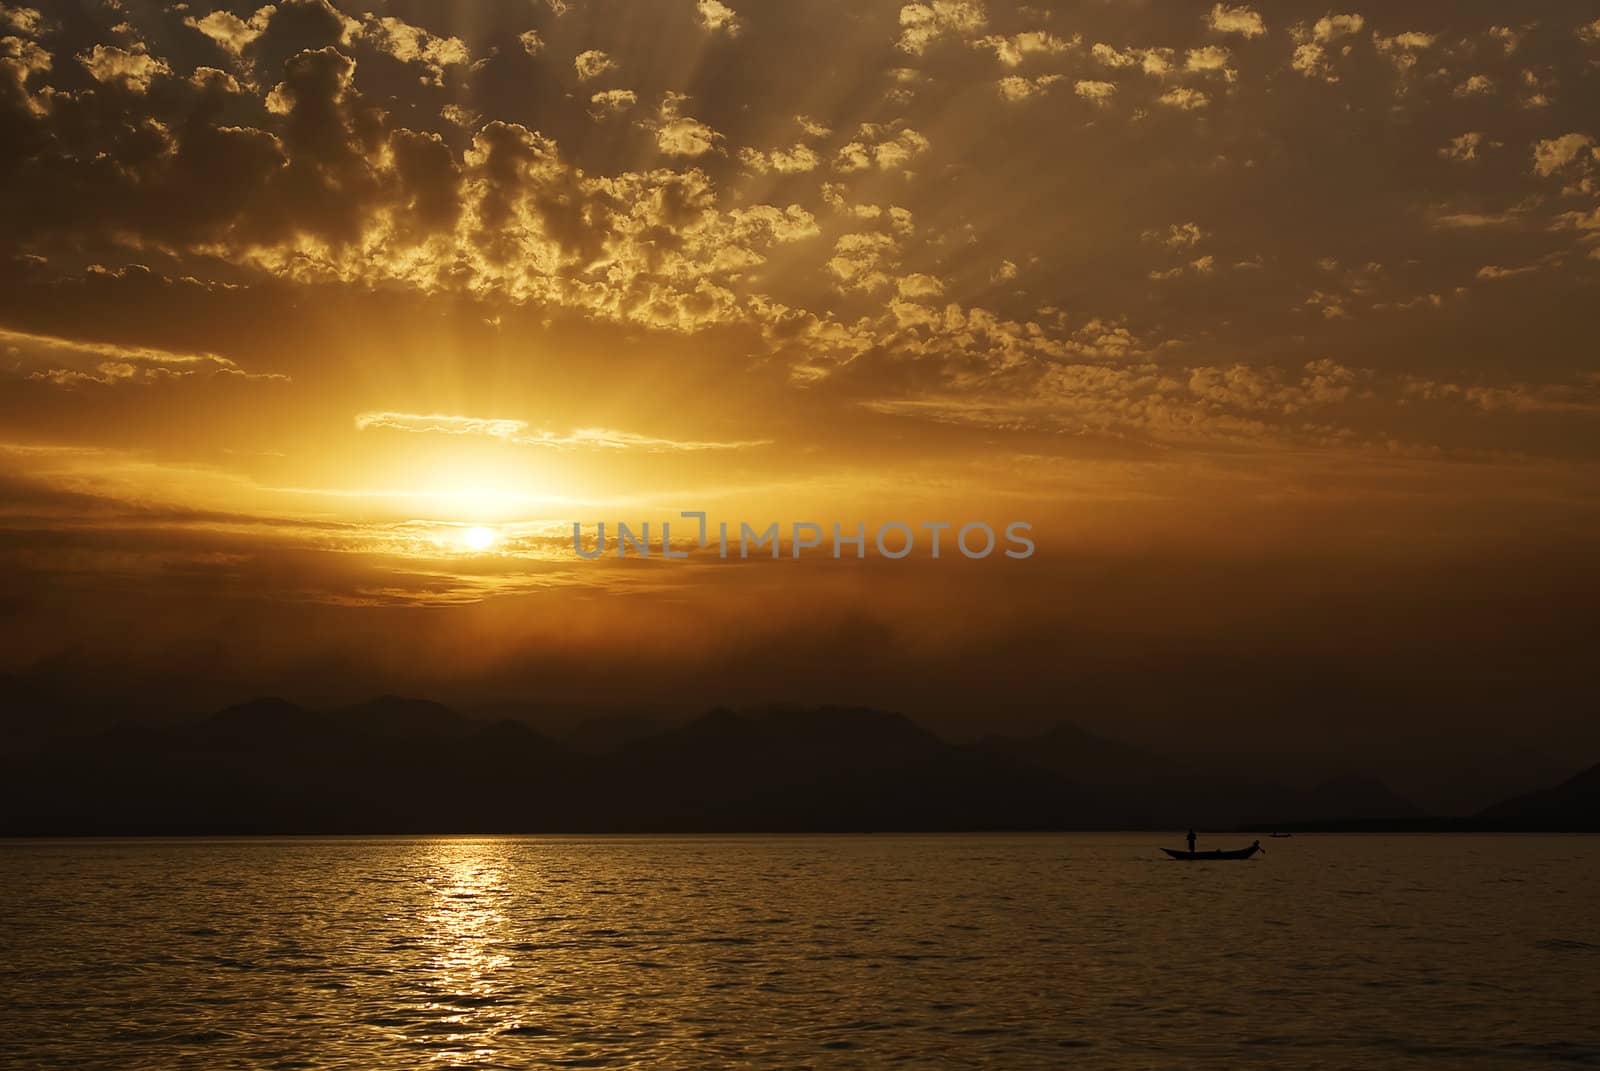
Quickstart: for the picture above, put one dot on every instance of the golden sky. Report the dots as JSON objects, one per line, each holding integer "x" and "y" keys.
{"x": 1226, "y": 300}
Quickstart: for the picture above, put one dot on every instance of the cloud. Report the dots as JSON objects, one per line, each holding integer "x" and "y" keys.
{"x": 132, "y": 70}
{"x": 1508, "y": 38}
{"x": 1209, "y": 59}
{"x": 1242, "y": 387}
{"x": 681, "y": 135}
{"x": 1473, "y": 220}
{"x": 1095, "y": 92}
{"x": 1241, "y": 20}
{"x": 24, "y": 20}
{"x": 1015, "y": 87}
{"x": 1012, "y": 51}
{"x": 330, "y": 169}
{"x": 1202, "y": 265}
{"x": 1402, "y": 51}
{"x": 717, "y": 16}
{"x": 1111, "y": 56}
{"x": 1311, "y": 60}
{"x": 1311, "y": 56}
{"x": 1177, "y": 236}
{"x": 1332, "y": 27}
{"x": 918, "y": 286}
{"x": 1410, "y": 41}
{"x": 923, "y": 24}
{"x": 412, "y": 44}
{"x": 1582, "y": 397}
{"x": 68, "y": 362}
{"x": 519, "y": 433}
{"x": 231, "y": 32}
{"x": 457, "y": 115}
{"x": 1493, "y": 272}
{"x": 812, "y": 128}
{"x": 592, "y": 64}
{"x": 610, "y": 102}
{"x": 862, "y": 261}
{"x": 1578, "y": 221}
{"x": 1184, "y": 98}
{"x": 1464, "y": 146}
{"x": 1554, "y": 154}
{"x": 1153, "y": 61}
{"x": 442, "y": 424}
{"x": 880, "y": 146}
{"x": 795, "y": 160}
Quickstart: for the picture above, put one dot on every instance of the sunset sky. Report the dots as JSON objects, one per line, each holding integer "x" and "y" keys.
{"x": 1277, "y": 323}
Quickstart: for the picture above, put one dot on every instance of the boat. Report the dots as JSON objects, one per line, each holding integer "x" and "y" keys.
{"x": 1280, "y": 836}
{"x": 1236, "y": 853}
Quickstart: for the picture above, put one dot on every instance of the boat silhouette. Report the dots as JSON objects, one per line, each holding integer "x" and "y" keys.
{"x": 1236, "y": 853}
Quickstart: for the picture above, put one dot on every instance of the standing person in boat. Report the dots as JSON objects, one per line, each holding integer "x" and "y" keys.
{"x": 1191, "y": 841}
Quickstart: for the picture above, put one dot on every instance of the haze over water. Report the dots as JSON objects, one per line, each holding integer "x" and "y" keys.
{"x": 863, "y": 951}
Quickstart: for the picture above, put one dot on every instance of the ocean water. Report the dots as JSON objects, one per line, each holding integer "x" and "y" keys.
{"x": 787, "y": 952}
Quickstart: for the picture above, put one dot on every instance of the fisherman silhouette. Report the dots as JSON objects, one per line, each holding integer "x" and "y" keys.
{"x": 1191, "y": 840}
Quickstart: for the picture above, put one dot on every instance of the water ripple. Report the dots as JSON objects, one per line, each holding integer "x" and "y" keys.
{"x": 691, "y": 953}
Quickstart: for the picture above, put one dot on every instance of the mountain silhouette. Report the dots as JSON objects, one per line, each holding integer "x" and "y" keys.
{"x": 836, "y": 769}
{"x": 398, "y": 716}
{"x": 396, "y": 764}
{"x": 1162, "y": 791}
{"x": 1573, "y": 805}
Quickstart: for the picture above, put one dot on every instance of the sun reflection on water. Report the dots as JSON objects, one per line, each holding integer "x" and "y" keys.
{"x": 464, "y": 931}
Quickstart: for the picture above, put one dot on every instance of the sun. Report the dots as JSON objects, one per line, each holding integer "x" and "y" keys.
{"x": 479, "y": 538}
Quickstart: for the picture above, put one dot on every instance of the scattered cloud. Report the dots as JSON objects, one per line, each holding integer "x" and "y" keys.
{"x": 592, "y": 63}
{"x": 132, "y": 70}
{"x": 1177, "y": 236}
{"x": 1464, "y": 146}
{"x": 1016, "y": 88}
{"x": 1242, "y": 20}
{"x": 232, "y": 33}
{"x": 611, "y": 102}
{"x": 1332, "y": 27}
{"x": 1209, "y": 59}
{"x": 718, "y": 17}
{"x": 923, "y": 24}
{"x": 1553, "y": 154}
{"x": 1402, "y": 48}
{"x": 682, "y": 135}
{"x": 795, "y": 160}
{"x": 1492, "y": 272}
{"x": 1014, "y": 50}
{"x": 68, "y": 362}
{"x": 1095, "y": 92}
{"x": 412, "y": 44}
{"x": 518, "y": 432}
{"x": 1184, "y": 98}
{"x": 880, "y": 146}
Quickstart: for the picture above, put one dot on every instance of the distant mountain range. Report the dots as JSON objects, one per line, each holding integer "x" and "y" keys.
{"x": 396, "y": 765}
{"x": 1573, "y": 805}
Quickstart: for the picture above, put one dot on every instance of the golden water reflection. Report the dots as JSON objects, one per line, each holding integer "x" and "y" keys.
{"x": 464, "y": 933}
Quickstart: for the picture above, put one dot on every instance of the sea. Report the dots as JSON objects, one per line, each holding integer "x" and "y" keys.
{"x": 856, "y": 951}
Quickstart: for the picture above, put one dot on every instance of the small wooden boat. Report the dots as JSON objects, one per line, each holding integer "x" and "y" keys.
{"x": 1237, "y": 853}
